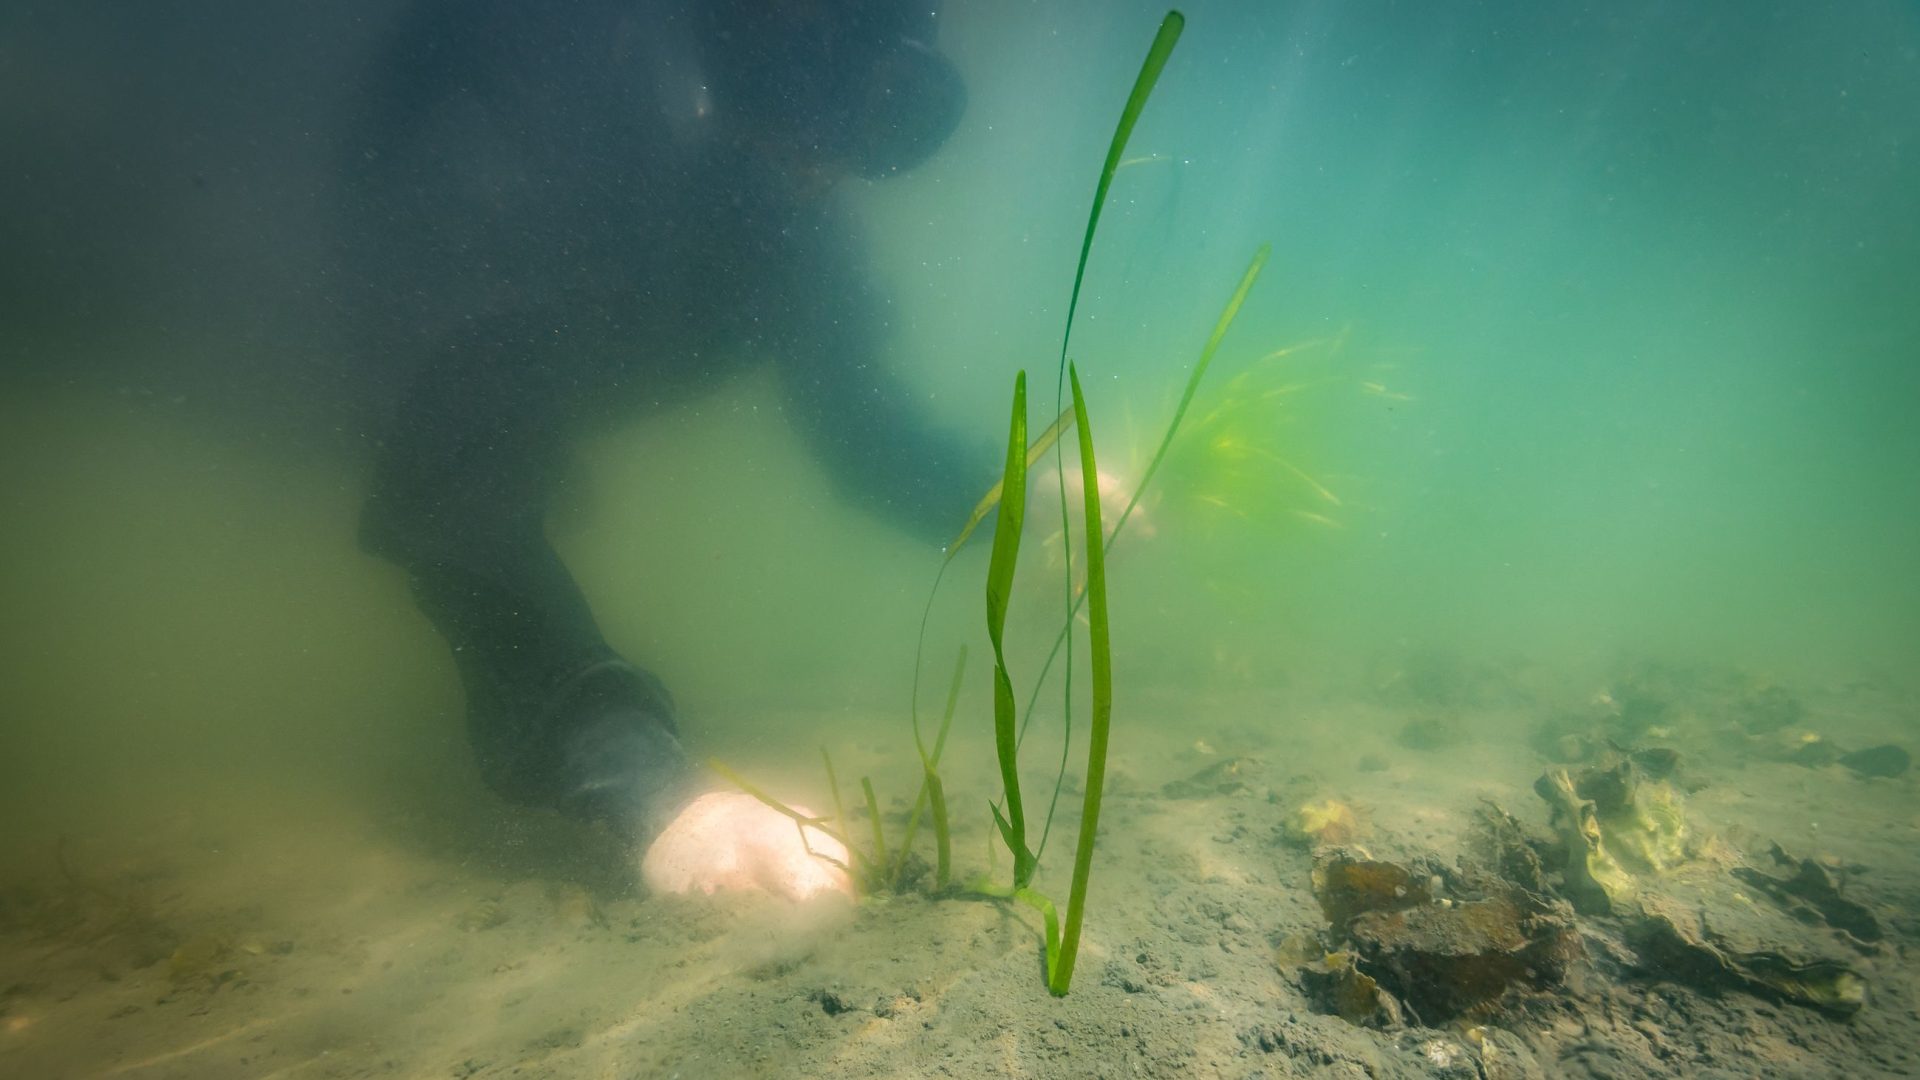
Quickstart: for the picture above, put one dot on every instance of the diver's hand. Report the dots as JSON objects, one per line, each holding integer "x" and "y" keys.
{"x": 730, "y": 840}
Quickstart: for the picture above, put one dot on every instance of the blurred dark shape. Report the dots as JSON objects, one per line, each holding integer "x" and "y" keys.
{"x": 1886, "y": 760}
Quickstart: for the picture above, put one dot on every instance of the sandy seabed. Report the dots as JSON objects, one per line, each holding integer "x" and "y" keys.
{"x": 203, "y": 951}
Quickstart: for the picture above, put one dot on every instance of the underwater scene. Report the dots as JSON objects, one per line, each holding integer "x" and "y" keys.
{"x": 816, "y": 538}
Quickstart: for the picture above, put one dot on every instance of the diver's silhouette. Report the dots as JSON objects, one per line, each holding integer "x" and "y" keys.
{"x": 570, "y": 209}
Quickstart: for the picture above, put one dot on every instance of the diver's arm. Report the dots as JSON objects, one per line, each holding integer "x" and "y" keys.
{"x": 555, "y": 716}
{"x": 877, "y": 439}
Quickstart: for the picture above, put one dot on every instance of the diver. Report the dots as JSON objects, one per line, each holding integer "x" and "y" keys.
{"x": 571, "y": 212}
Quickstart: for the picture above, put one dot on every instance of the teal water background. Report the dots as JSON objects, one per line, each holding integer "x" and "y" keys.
{"x": 1626, "y": 370}
{"x": 1644, "y": 272}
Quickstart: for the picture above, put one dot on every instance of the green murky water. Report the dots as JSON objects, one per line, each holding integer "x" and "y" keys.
{"x": 1586, "y": 349}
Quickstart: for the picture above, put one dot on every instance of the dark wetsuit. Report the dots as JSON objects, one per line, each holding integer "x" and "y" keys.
{"x": 577, "y": 209}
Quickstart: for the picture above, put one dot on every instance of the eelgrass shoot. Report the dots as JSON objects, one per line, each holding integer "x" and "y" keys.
{"x": 880, "y": 869}
{"x": 886, "y": 869}
{"x": 1063, "y": 944}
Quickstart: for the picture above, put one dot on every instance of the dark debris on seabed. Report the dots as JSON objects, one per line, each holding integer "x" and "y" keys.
{"x": 1625, "y": 936}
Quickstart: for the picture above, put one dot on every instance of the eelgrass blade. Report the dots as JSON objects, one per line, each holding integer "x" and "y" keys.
{"x": 942, "y": 839}
{"x": 1099, "y": 645}
{"x": 1049, "y": 924}
{"x": 800, "y": 820}
{"x": 770, "y": 802}
{"x": 953, "y": 702}
{"x": 879, "y": 832}
{"x": 987, "y": 502}
{"x": 936, "y": 791}
{"x": 981, "y": 509}
{"x": 1006, "y": 556}
{"x": 840, "y": 817}
{"x": 1220, "y": 327}
{"x": 930, "y": 785}
{"x": 1150, "y": 68}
